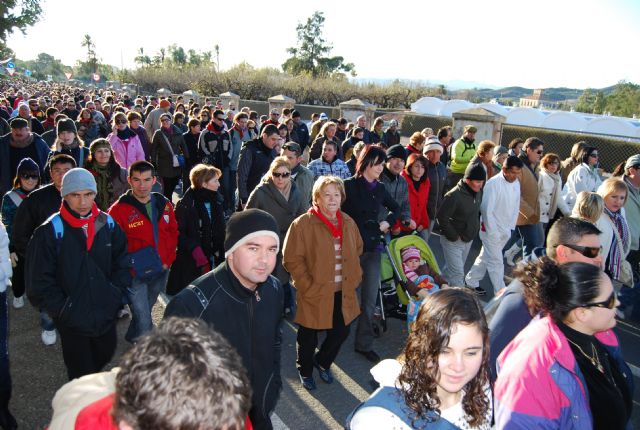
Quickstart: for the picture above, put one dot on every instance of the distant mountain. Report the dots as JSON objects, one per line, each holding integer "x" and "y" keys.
{"x": 450, "y": 85}
{"x": 514, "y": 93}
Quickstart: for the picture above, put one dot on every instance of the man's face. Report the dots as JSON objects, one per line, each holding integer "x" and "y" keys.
{"x": 33, "y": 105}
{"x": 433, "y": 156}
{"x": 342, "y": 126}
{"x": 328, "y": 153}
{"x": 470, "y": 135}
{"x": 475, "y": 184}
{"x": 395, "y": 165}
{"x": 512, "y": 174}
{"x": 564, "y": 254}
{"x": 24, "y": 111}
{"x": 141, "y": 184}
{"x": 80, "y": 201}
{"x": 274, "y": 116}
{"x": 359, "y": 135}
{"x": 253, "y": 262}
{"x": 57, "y": 172}
{"x": 293, "y": 158}
{"x": 362, "y": 122}
{"x": 20, "y": 135}
{"x": 534, "y": 155}
{"x": 270, "y": 141}
{"x": 71, "y": 105}
{"x": 296, "y": 119}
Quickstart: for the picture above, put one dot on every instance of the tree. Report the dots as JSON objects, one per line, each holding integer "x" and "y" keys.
{"x": 17, "y": 14}
{"x": 178, "y": 56}
{"x": 310, "y": 56}
{"x": 141, "y": 59}
{"x": 92, "y": 61}
{"x": 585, "y": 101}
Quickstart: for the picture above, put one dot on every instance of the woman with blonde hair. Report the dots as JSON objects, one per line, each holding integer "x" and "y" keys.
{"x": 614, "y": 193}
{"x": 321, "y": 252}
{"x": 279, "y": 196}
{"x": 327, "y": 132}
{"x": 484, "y": 157}
{"x": 201, "y": 228}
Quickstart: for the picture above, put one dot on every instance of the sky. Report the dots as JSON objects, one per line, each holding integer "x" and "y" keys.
{"x": 541, "y": 44}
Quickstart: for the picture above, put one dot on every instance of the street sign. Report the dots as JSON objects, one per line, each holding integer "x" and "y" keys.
{"x": 11, "y": 71}
{"x": 10, "y": 65}
{"x": 27, "y": 73}
{"x": 68, "y": 75}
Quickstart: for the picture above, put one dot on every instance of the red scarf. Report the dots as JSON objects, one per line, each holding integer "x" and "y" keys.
{"x": 336, "y": 231}
{"x": 241, "y": 131}
{"x": 213, "y": 128}
{"x": 80, "y": 223}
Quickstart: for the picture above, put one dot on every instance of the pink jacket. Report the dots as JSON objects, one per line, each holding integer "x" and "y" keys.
{"x": 126, "y": 153}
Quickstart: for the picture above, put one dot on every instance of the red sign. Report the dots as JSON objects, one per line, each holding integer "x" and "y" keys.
{"x": 68, "y": 75}
{"x": 96, "y": 77}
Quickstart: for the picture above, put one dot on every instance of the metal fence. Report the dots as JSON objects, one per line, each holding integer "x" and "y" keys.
{"x": 612, "y": 149}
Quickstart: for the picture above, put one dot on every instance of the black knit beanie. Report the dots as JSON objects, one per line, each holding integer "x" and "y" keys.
{"x": 475, "y": 172}
{"x": 247, "y": 224}
{"x": 66, "y": 124}
{"x": 397, "y": 151}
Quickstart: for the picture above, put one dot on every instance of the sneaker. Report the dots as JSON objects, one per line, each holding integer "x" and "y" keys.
{"x": 325, "y": 374}
{"x": 478, "y": 290}
{"x": 511, "y": 255}
{"x": 308, "y": 383}
{"x": 124, "y": 312}
{"x": 18, "y": 302}
{"x": 49, "y": 337}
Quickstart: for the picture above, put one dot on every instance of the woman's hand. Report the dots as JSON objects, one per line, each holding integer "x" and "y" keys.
{"x": 384, "y": 226}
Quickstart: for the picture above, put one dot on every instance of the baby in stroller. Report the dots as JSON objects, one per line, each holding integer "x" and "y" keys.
{"x": 421, "y": 279}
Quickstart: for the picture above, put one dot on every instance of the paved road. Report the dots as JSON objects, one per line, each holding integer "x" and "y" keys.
{"x": 38, "y": 371}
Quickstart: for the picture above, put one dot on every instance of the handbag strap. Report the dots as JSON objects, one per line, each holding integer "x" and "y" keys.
{"x": 168, "y": 143}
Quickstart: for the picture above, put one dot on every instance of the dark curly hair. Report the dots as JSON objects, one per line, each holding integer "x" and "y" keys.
{"x": 555, "y": 290}
{"x": 438, "y": 315}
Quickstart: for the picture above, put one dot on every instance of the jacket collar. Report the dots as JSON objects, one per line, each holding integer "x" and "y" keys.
{"x": 159, "y": 201}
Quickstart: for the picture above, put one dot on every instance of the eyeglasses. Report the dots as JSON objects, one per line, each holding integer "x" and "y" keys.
{"x": 219, "y": 118}
{"x": 539, "y": 152}
{"x": 122, "y": 121}
{"x": 281, "y": 175}
{"x": 608, "y": 304}
{"x": 26, "y": 176}
{"x": 275, "y": 114}
{"x": 587, "y": 251}
{"x": 593, "y": 155}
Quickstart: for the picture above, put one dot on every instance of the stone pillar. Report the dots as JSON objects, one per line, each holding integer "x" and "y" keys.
{"x": 164, "y": 92}
{"x": 352, "y": 109}
{"x": 280, "y": 102}
{"x": 191, "y": 94}
{"x": 489, "y": 124}
{"x": 230, "y": 100}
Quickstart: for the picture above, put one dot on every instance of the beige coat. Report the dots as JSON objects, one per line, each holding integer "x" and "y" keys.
{"x": 309, "y": 257}
{"x": 529, "y": 203}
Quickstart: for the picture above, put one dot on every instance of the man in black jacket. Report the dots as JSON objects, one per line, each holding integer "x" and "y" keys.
{"x": 32, "y": 212}
{"x": 244, "y": 303}
{"x": 255, "y": 158}
{"x": 77, "y": 270}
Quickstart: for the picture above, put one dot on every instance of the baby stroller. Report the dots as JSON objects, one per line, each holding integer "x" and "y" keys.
{"x": 393, "y": 296}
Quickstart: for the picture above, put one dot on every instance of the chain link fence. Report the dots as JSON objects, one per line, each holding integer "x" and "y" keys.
{"x": 612, "y": 149}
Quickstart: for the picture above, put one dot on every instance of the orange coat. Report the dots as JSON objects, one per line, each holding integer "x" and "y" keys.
{"x": 309, "y": 256}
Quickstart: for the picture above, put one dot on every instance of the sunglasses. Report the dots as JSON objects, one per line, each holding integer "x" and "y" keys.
{"x": 123, "y": 121}
{"x": 608, "y": 304}
{"x": 539, "y": 152}
{"x": 593, "y": 155}
{"x": 26, "y": 176}
{"x": 587, "y": 251}
{"x": 281, "y": 175}
{"x": 219, "y": 118}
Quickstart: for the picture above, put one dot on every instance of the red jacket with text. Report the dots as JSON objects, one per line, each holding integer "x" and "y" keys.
{"x": 132, "y": 217}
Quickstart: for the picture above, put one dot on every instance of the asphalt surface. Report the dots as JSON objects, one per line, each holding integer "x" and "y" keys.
{"x": 38, "y": 370}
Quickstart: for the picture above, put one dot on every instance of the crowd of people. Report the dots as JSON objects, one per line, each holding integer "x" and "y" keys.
{"x": 243, "y": 220}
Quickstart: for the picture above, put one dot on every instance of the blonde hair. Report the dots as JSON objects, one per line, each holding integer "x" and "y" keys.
{"x": 201, "y": 173}
{"x": 278, "y": 162}
{"x": 612, "y": 185}
{"x": 484, "y": 147}
{"x": 325, "y": 126}
{"x": 589, "y": 206}
{"x": 416, "y": 139}
{"x": 324, "y": 181}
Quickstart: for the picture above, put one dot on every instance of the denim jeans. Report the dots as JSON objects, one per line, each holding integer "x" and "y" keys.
{"x": 368, "y": 292}
{"x": 455, "y": 255}
{"x": 532, "y": 237}
{"x": 142, "y": 296}
{"x": 46, "y": 323}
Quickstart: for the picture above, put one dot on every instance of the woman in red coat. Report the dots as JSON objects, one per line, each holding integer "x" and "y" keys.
{"x": 415, "y": 173}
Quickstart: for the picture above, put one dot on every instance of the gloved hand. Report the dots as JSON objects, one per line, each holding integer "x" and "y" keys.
{"x": 14, "y": 259}
{"x": 199, "y": 257}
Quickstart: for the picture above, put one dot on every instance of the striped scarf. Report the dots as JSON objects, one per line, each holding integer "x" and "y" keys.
{"x": 621, "y": 238}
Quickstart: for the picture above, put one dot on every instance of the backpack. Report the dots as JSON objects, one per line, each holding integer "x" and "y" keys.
{"x": 58, "y": 227}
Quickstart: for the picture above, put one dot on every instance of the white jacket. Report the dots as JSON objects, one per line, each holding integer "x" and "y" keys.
{"x": 582, "y": 178}
{"x": 500, "y": 205}
{"x": 5, "y": 262}
{"x": 550, "y": 187}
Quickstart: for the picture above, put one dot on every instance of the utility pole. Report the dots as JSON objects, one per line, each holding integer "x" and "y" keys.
{"x": 217, "y": 49}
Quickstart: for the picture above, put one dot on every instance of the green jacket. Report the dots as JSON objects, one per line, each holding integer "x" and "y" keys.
{"x": 459, "y": 214}
{"x": 461, "y": 154}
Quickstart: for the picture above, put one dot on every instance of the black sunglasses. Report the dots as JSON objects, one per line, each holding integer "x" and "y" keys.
{"x": 281, "y": 175}
{"x": 609, "y": 303}
{"x": 26, "y": 176}
{"x": 219, "y": 118}
{"x": 123, "y": 121}
{"x": 587, "y": 251}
